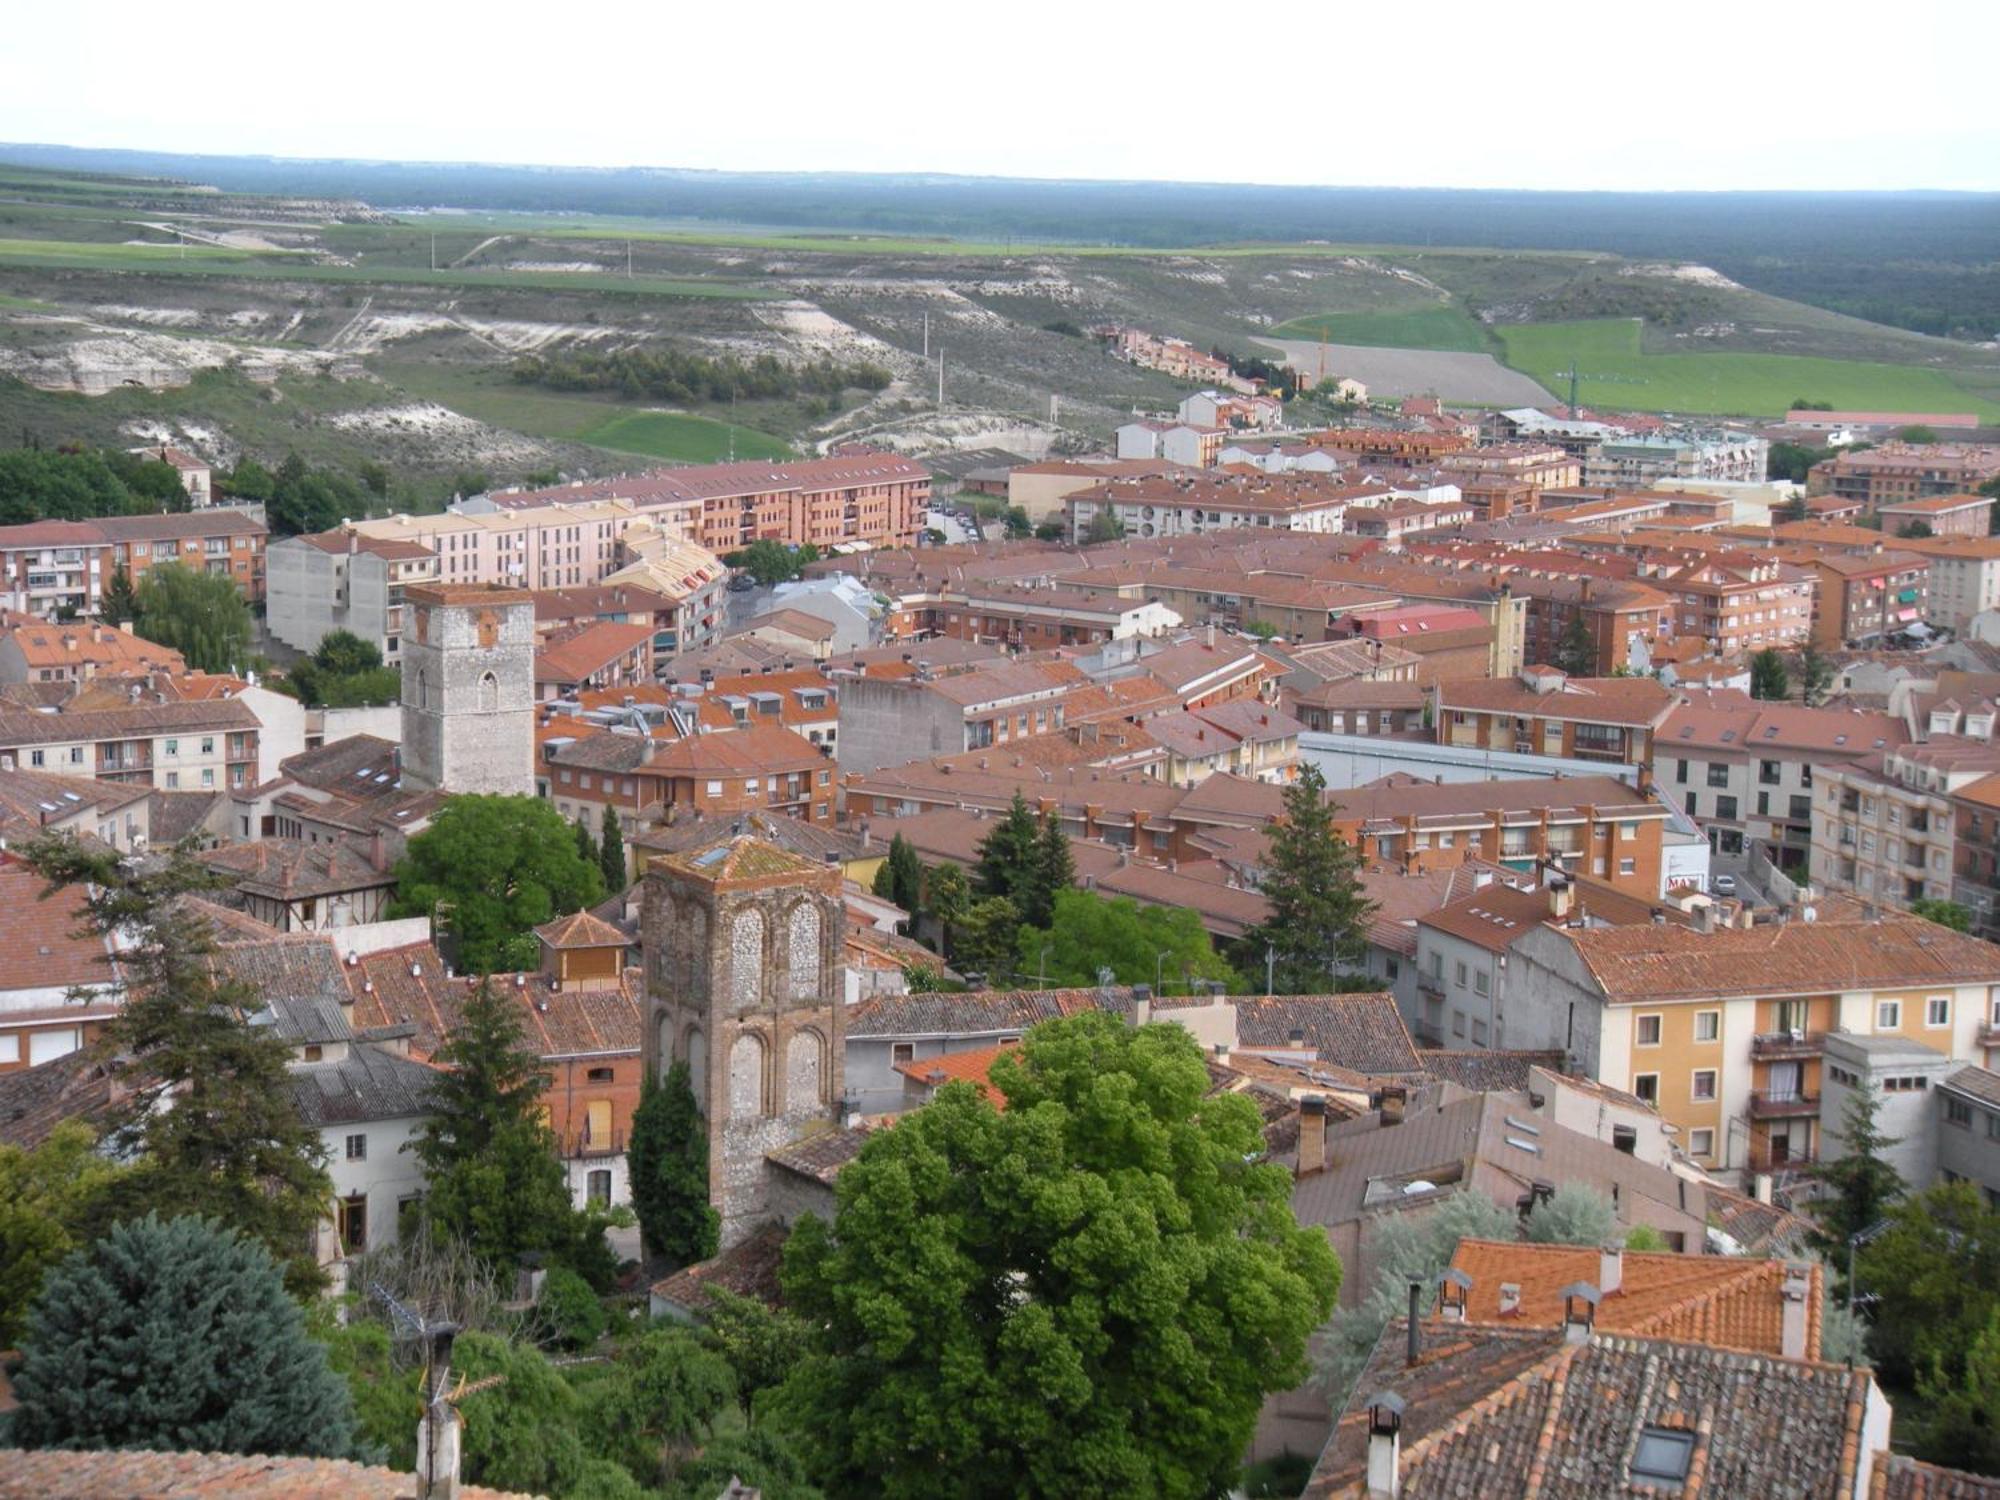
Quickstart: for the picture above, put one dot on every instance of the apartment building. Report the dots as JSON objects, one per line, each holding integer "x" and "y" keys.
{"x": 1944, "y": 515}
{"x": 1187, "y": 505}
{"x": 343, "y": 580}
{"x": 195, "y": 476}
{"x": 1745, "y": 770}
{"x": 1612, "y": 720}
{"x": 1896, "y": 472}
{"x": 1299, "y": 609}
{"x": 1541, "y": 466}
{"x": 1884, "y": 828}
{"x": 1234, "y": 411}
{"x": 1036, "y": 618}
{"x": 1621, "y": 616}
{"x": 1195, "y": 445}
{"x": 1040, "y": 489}
{"x": 1381, "y": 445}
{"x": 1639, "y": 462}
{"x": 603, "y": 656}
{"x": 887, "y": 721}
{"x": 877, "y": 499}
{"x": 203, "y": 745}
{"x": 1392, "y": 520}
{"x": 1964, "y": 577}
{"x": 48, "y": 567}
{"x": 1862, "y": 599}
{"x": 1576, "y": 436}
{"x": 36, "y": 650}
{"x": 1741, "y": 603}
{"x": 648, "y": 778}
{"x": 1440, "y": 642}
{"x": 1724, "y": 1031}
{"x": 61, "y": 982}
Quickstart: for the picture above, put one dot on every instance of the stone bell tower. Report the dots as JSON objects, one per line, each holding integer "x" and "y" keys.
{"x": 743, "y": 984}
{"x": 468, "y": 688}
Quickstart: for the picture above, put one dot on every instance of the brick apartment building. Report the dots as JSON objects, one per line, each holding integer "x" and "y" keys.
{"x": 47, "y": 566}
{"x": 1543, "y": 712}
{"x": 1896, "y": 472}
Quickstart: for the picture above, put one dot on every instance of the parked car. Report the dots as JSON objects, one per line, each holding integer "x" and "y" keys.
{"x": 742, "y": 583}
{"x": 1723, "y": 885}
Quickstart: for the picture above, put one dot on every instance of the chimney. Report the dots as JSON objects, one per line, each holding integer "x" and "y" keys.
{"x": 1385, "y": 1446}
{"x": 1395, "y": 1100}
{"x": 1760, "y": 1186}
{"x": 1580, "y": 1300}
{"x": 1312, "y": 1135}
{"x": 378, "y": 851}
{"x": 1561, "y": 894}
{"x": 1455, "y": 1290}
{"x": 1222, "y": 1054}
{"x": 1610, "y": 1267}
{"x": 1510, "y": 1299}
{"x": 1704, "y": 917}
{"x": 1792, "y": 1325}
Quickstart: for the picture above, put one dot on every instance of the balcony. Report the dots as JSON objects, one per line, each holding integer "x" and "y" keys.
{"x": 1780, "y": 1046}
{"x": 1989, "y": 1033}
{"x": 1764, "y": 1159}
{"x": 1792, "y": 1105}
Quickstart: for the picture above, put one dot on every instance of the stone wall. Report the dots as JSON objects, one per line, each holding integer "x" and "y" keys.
{"x": 468, "y": 696}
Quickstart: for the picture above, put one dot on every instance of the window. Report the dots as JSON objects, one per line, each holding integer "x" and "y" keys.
{"x": 357, "y": 1148}
{"x": 1482, "y": 981}
{"x": 1701, "y": 1143}
{"x": 1646, "y": 1087}
{"x": 1718, "y": 775}
{"x": 1627, "y": 832}
{"x": 1937, "y": 1011}
{"x": 715, "y": 789}
{"x": 1704, "y": 1085}
{"x": 1707, "y": 1025}
{"x": 599, "y": 1075}
{"x": 173, "y": 747}
{"x": 903, "y": 1052}
{"x": 1888, "y": 1015}
{"x": 1663, "y": 1457}
{"x": 1458, "y": 974}
{"x": 1725, "y": 807}
{"x": 1648, "y": 1033}
{"x": 1681, "y": 772}
{"x": 597, "y": 1187}
{"x": 354, "y": 1224}
{"x": 597, "y": 1123}
{"x": 34, "y": 757}
{"x": 1458, "y": 1023}
{"x": 1628, "y": 867}
{"x": 1957, "y": 1112}
{"x": 1478, "y": 1032}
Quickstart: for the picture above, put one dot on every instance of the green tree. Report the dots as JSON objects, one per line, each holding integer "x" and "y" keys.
{"x": 1934, "y": 1274}
{"x": 121, "y": 600}
{"x": 1318, "y": 923}
{"x": 666, "y": 1394}
{"x": 1959, "y": 1425}
{"x": 249, "y": 480}
{"x": 1101, "y": 1282}
{"x": 1816, "y": 676}
{"x": 668, "y": 1162}
{"x": 342, "y": 653}
{"x": 568, "y": 1311}
{"x": 529, "y": 1432}
{"x": 762, "y": 1459}
{"x": 1051, "y": 871}
{"x": 495, "y": 868}
{"x": 1859, "y": 1184}
{"x": 1016, "y": 523}
{"x": 1768, "y": 677}
{"x": 1916, "y": 432}
{"x": 1944, "y": 913}
{"x": 947, "y": 896}
{"x": 986, "y": 939}
{"x": 759, "y": 1342}
{"x": 1575, "y": 1214}
{"x": 494, "y": 1180}
{"x": 49, "y": 1199}
{"x": 1103, "y": 527}
{"x": 900, "y": 877}
{"x": 176, "y": 1334}
{"x": 1404, "y": 1248}
{"x": 1138, "y": 944}
{"x": 1051, "y": 530}
{"x": 1576, "y": 653}
{"x": 1007, "y": 854}
{"x": 1915, "y": 530}
{"x": 200, "y": 615}
{"x": 211, "y": 1117}
{"x": 586, "y": 846}
{"x": 769, "y": 562}
{"x": 1263, "y": 630}
{"x": 611, "y": 853}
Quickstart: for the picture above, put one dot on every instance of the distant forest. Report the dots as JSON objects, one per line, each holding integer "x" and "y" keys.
{"x": 1925, "y": 261}
{"x": 675, "y": 375}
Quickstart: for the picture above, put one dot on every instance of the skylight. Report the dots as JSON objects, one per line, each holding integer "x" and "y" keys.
{"x": 1663, "y": 1457}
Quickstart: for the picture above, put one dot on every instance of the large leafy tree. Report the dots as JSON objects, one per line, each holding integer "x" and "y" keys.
{"x": 665, "y": 1394}
{"x": 1860, "y": 1183}
{"x": 176, "y": 1334}
{"x": 1007, "y": 854}
{"x": 1576, "y": 1214}
{"x": 201, "y": 615}
{"x": 1138, "y": 944}
{"x": 668, "y": 1162}
{"x": 1088, "y": 1293}
{"x": 495, "y": 868}
{"x": 986, "y": 940}
{"x": 1959, "y": 1422}
{"x": 49, "y": 1198}
{"x": 1051, "y": 871}
{"x": 947, "y": 897}
{"x": 1318, "y": 922}
{"x": 211, "y": 1119}
{"x": 1934, "y": 1277}
{"x": 344, "y": 671}
{"x": 1768, "y": 677}
{"x": 495, "y": 1182}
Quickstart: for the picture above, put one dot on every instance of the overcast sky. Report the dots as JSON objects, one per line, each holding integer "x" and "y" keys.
{"x": 1640, "y": 94}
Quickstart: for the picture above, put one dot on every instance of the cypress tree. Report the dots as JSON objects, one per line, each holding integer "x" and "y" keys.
{"x": 586, "y": 846}
{"x": 1007, "y": 854}
{"x": 1051, "y": 871}
{"x": 611, "y": 853}
{"x": 1318, "y": 922}
{"x": 668, "y": 1158}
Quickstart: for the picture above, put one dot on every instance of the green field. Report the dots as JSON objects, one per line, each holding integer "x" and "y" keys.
{"x": 1443, "y": 325}
{"x": 1614, "y": 372}
{"x": 677, "y": 435}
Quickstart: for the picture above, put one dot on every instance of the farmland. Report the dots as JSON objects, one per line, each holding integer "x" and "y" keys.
{"x": 1442, "y": 325}
{"x": 1614, "y": 371}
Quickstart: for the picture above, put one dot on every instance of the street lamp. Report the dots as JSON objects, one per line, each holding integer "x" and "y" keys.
{"x": 1159, "y": 971}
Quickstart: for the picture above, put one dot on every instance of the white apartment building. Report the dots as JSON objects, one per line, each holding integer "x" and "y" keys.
{"x": 1885, "y": 829}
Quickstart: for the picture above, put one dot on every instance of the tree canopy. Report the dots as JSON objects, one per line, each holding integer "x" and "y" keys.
{"x": 1088, "y": 1293}
{"x": 176, "y": 1334}
{"x": 1007, "y": 853}
{"x": 1934, "y": 1276}
{"x": 50, "y": 1198}
{"x": 201, "y": 615}
{"x": 80, "y": 484}
{"x": 900, "y": 877}
{"x": 1576, "y": 652}
{"x": 495, "y": 868}
{"x": 1318, "y": 923}
{"x": 1139, "y": 944}
{"x": 344, "y": 671}
{"x": 1860, "y": 1183}
{"x": 1768, "y": 677}
{"x": 772, "y": 562}
{"x": 668, "y": 1163}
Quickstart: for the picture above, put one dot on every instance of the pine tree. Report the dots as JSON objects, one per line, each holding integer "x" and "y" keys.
{"x": 176, "y": 1334}
{"x": 1860, "y": 1185}
{"x": 668, "y": 1159}
{"x": 1576, "y": 655}
{"x": 1817, "y": 675}
{"x": 586, "y": 846}
{"x": 1051, "y": 871}
{"x": 1007, "y": 854}
{"x": 611, "y": 853}
{"x": 212, "y": 1118}
{"x": 947, "y": 897}
{"x": 495, "y": 1182}
{"x": 1768, "y": 678}
{"x": 121, "y": 600}
{"x": 1318, "y": 921}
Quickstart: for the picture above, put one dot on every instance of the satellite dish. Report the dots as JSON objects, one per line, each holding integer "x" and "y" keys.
{"x": 1809, "y": 914}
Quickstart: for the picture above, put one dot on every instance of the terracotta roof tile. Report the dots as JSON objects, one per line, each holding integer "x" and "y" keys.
{"x": 61, "y": 1474}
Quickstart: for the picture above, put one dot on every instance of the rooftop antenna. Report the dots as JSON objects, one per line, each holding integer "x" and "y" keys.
{"x": 437, "y": 1455}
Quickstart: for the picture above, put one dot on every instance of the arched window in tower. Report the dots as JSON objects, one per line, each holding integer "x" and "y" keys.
{"x": 805, "y": 1068}
{"x": 697, "y": 1061}
{"x": 746, "y": 958}
{"x": 423, "y": 688}
{"x": 489, "y": 693}
{"x": 746, "y": 1077}
{"x": 803, "y": 950}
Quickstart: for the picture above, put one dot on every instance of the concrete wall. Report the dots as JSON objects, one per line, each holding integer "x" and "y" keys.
{"x": 1971, "y": 1150}
{"x": 886, "y": 723}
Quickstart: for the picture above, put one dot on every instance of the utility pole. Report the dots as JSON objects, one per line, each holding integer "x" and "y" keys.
{"x": 1270, "y": 970}
{"x": 940, "y": 379}
{"x": 927, "y": 335}
{"x": 628, "y": 260}
{"x": 434, "y": 250}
